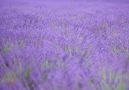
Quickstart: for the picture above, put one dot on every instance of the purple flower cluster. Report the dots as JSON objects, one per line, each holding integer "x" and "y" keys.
{"x": 64, "y": 46}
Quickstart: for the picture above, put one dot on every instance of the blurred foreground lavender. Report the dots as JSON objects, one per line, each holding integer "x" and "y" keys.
{"x": 64, "y": 46}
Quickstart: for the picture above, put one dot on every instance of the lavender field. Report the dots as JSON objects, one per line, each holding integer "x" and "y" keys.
{"x": 64, "y": 45}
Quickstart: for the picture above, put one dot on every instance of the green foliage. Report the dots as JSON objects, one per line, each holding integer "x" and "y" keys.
{"x": 121, "y": 86}
{"x": 21, "y": 44}
{"x": 9, "y": 77}
{"x": 45, "y": 64}
{"x": 27, "y": 73}
{"x": 111, "y": 80}
{"x": 44, "y": 76}
{"x": 115, "y": 50}
{"x": 6, "y": 49}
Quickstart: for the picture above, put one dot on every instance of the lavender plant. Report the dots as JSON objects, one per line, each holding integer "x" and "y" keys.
{"x": 64, "y": 45}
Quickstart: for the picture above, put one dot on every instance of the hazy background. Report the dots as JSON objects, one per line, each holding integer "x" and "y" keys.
{"x": 117, "y": 1}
